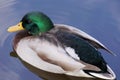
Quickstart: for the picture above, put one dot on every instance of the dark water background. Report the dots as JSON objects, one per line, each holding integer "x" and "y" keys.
{"x": 99, "y": 18}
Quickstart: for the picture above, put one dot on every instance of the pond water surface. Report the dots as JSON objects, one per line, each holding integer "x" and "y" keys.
{"x": 99, "y": 18}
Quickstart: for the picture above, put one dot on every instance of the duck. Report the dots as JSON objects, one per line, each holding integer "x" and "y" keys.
{"x": 59, "y": 48}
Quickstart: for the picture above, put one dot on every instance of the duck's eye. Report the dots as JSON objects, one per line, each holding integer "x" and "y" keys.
{"x": 28, "y": 21}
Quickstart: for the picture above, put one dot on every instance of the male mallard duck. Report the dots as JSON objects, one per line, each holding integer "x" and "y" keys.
{"x": 59, "y": 48}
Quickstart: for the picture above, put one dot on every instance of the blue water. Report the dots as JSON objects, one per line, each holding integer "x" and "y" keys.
{"x": 99, "y": 18}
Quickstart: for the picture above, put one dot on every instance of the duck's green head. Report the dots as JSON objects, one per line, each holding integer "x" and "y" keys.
{"x": 34, "y": 22}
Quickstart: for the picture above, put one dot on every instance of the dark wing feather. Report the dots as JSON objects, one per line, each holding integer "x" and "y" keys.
{"x": 85, "y": 36}
{"x": 83, "y": 49}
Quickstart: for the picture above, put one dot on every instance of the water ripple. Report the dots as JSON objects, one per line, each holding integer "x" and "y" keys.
{"x": 7, "y": 10}
{"x": 8, "y": 74}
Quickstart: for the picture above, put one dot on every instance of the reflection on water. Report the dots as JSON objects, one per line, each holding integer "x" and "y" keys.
{"x": 100, "y": 19}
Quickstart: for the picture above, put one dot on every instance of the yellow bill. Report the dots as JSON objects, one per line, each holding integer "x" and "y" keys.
{"x": 15, "y": 28}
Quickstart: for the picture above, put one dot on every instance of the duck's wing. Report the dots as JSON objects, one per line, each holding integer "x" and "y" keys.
{"x": 81, "y": 50}
{"x": 85, "y": 36}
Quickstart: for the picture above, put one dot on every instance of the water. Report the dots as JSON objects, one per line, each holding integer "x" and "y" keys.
{"x": 101, "y": 19}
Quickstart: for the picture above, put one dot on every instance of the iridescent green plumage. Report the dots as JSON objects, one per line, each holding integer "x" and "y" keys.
{"x": 36, "y": 22}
